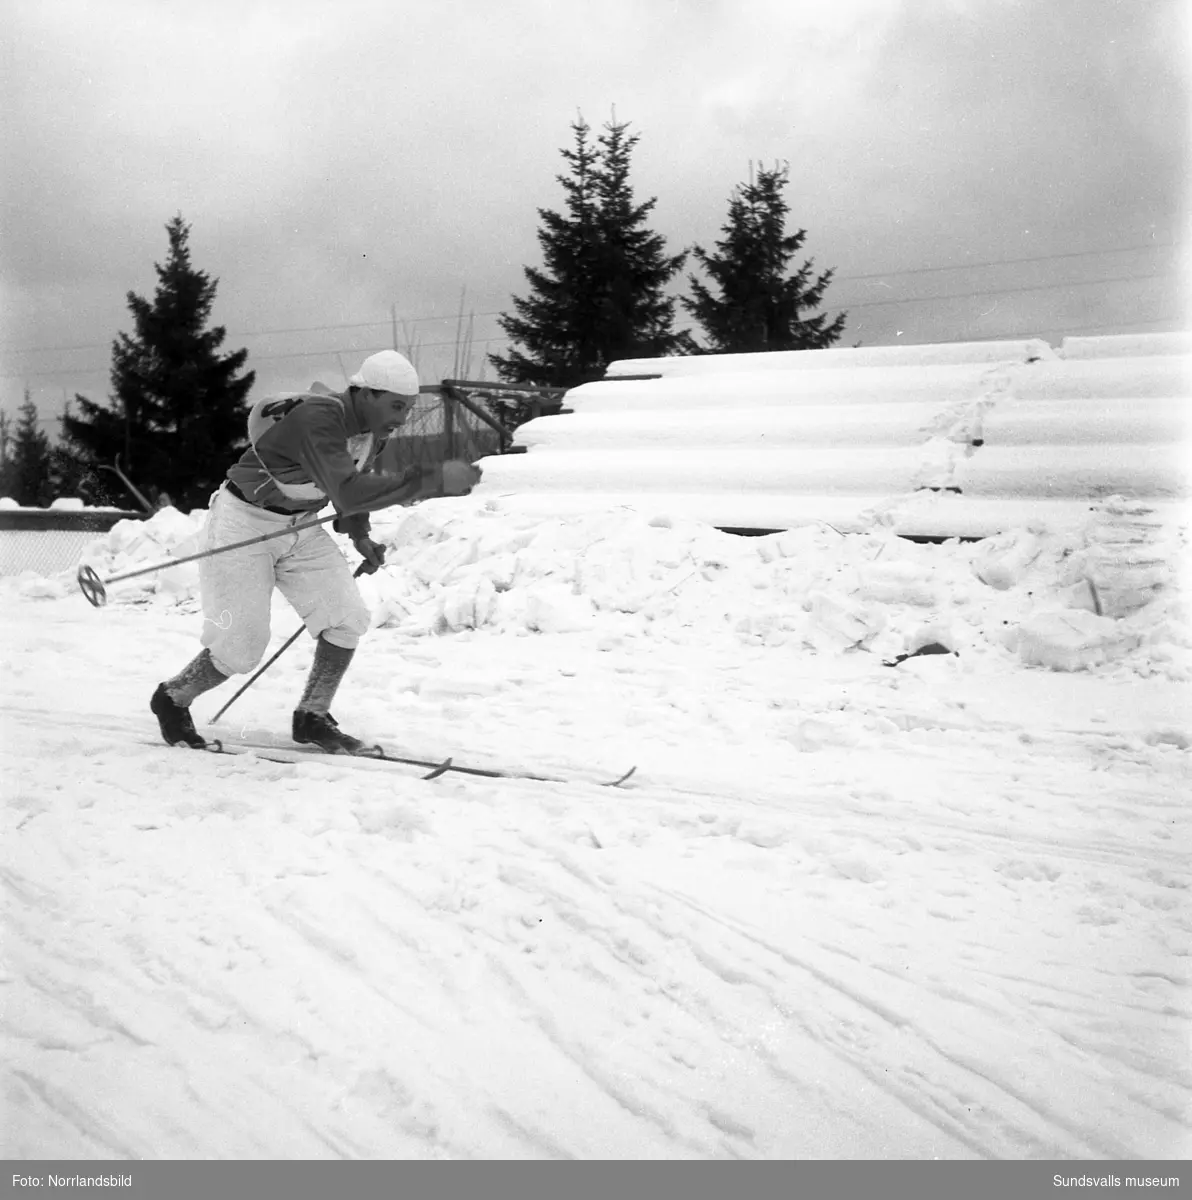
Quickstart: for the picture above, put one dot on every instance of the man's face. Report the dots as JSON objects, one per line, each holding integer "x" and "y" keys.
{"x": 389, "y": 411}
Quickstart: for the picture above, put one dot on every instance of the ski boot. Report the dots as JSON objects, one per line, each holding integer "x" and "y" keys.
{"x": 322, "y": 730}
{"x": 177, "y": 727}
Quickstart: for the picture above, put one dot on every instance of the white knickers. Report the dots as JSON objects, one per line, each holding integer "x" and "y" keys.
{"x": 237, "y": 586}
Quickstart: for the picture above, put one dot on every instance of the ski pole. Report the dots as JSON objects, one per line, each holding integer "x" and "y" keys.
{"x": 285, "y": 646}
{"x": 95, "y": 589}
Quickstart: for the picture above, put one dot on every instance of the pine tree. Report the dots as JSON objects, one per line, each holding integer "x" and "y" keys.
{"x": 27, "y": 475}
{"x": 177, "y": 414}
{"x": 757, "y": 304}
{"x": 5, "y": 450}
{"x": 74, "y": 476}
{"x": 555, "y": 324}
{"x": 599, "y": 294}
{"x": 636, "y": 317}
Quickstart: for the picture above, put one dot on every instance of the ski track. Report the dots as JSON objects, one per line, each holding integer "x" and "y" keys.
{"x": 692, "y": 966}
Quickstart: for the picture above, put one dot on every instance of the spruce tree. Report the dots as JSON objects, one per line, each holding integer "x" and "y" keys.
{"x": 177, "y": 413}
{"x": 5, "y": 449}
{"x": 555, "y": 325}
{"x": 598, "y": 296}
{"x": 756, "y": 304}
{"x": 75, "y": 476}
{"x": 636, "y": 317}
{"x": 27, "y": 474}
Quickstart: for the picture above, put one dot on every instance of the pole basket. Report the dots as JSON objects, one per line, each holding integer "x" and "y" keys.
{"x": 92, "y": 586}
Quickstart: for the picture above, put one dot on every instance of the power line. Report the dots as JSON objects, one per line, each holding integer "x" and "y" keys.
{"x": 1040, "y": 287}
{"x": 362, "y": 324}
{"x": 909, "y": 271}
{"x": 845, "y": 305}
{"x": 256, "y": 358}
{"x": 1106, "y": 329}
{"x": 264, "y": 332}
{"x": 848, "y": 307}
{"x": 414, "y": 349}
{"x": 1006, "y": 262}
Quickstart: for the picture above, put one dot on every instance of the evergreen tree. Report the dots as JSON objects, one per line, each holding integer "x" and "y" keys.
{"x": 74, "y": 476}
{"x": 636, "y": 317}
{"x": 27, "y": 475}
{"x": 599, "y": 294}
{"x": 555, "y": 324}
{"x": 177, "y": 414}
{"x": 756, "y": 305}
{"x": 5, "y": 450}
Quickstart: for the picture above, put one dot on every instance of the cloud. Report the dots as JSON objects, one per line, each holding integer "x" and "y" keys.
{"x": 337, "y": 160}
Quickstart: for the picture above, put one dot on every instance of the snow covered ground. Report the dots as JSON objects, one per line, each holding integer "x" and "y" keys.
{"x": 842, "y": 909}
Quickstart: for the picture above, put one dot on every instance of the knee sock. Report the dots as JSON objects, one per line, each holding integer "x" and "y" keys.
{"x": 326, "y": 672}
{"x": 198, "y": 676}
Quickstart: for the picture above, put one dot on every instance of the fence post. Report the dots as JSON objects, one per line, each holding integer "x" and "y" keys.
{"x": 449, "y": 421}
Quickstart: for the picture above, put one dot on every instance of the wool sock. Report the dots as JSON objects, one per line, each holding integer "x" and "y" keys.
{"x": 326, "y": 672}
{"x": 198, "y": 676}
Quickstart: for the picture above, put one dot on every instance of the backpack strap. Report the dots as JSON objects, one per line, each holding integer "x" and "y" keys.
{"x": 269, "y": 410}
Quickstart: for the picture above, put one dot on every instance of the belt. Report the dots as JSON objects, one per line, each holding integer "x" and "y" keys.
{"x": 285, "y": 512}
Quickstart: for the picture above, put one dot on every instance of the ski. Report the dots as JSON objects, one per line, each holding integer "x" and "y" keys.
{"x": 490, "y": 772}
{"x": 379, "y": 754}
{"x": 290, "y": 755}
{"x": 271, "y": 752}
{"x": 274, "y": 751}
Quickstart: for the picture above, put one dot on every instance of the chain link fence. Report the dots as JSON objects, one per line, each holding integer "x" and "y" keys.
{"x": 49, "y": 541}
{"x": 440, "y": 427}
{"x": 45, "y": 553}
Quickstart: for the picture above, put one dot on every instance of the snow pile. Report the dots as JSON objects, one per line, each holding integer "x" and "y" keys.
{"x": 1107, "y": 597}
{"x": 62, "y": 504}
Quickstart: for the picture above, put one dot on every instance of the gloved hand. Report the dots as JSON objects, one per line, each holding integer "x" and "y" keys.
{"x": 459, "y": 477}
{"x": 455, "y": 477}
{"x": 372, "y": 552}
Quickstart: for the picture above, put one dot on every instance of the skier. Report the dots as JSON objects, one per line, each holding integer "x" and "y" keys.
{"x": 306, "y": 449}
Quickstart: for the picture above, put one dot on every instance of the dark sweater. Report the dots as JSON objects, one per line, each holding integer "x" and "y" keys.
{"x": 304, "y": 459}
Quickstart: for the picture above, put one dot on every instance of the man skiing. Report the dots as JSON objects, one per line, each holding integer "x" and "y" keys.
{"x": 307, "y": 449}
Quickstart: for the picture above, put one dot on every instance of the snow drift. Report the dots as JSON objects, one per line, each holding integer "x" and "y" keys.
{"x": 1109, "y": 594}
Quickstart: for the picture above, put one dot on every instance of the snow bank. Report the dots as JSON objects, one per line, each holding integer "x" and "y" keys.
{"x": 472, "y": 565}
{"x": 62, "y": 504}
{"x": 1106, "y": 596}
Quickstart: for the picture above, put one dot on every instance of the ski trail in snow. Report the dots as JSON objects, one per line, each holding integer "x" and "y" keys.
{"x": 943, "y": 939}
{"x": 815, "y": 798}
{"x": 91, "y": 1132}
{"x": 932, "y": 1090}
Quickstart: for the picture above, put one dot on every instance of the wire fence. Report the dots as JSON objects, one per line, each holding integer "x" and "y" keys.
{"x": 439, "y": 428}
{"x": 466, "y": 419}
{"x": 49, "y": 541}
{"x": 44, "y": 552}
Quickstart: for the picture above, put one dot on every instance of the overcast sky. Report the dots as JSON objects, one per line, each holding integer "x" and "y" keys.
{"x": 344, "y": 164}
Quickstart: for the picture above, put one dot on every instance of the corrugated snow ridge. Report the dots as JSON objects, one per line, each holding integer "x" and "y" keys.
{"x": 964, "y": 439}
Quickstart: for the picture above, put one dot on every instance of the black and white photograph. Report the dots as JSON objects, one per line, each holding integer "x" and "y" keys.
{"x": 596, "y": 582}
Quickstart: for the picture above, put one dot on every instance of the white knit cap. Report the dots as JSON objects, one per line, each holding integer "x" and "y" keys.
{"x": 387, "y": 371}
